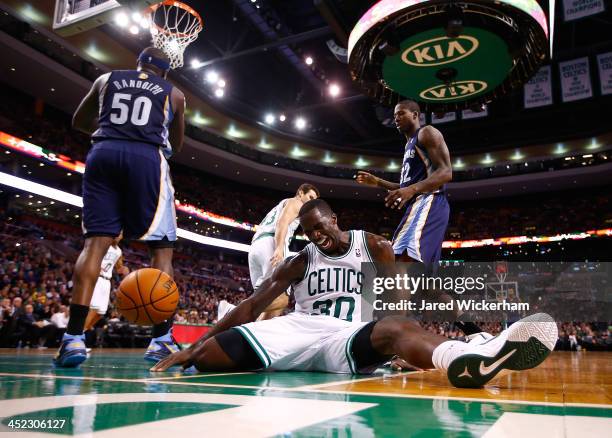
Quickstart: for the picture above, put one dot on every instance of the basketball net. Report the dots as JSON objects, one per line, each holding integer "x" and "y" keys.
{"x": 174, "y": 25}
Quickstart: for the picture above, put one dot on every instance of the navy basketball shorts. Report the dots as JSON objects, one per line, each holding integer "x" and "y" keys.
{"x": 421, "y": 232}
{"x": 127, "y": 187}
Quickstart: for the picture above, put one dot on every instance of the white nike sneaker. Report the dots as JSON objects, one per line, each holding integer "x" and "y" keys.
{"x": 523, "y": 346}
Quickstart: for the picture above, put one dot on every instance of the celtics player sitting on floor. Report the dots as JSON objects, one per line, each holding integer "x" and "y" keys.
{"x": 325, "y": 333}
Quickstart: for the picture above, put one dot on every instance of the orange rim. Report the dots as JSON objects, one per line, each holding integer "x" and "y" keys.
{"x": 179, "y": 5}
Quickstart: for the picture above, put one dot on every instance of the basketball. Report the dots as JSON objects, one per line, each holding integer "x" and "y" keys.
{"x": 147, "y": 296}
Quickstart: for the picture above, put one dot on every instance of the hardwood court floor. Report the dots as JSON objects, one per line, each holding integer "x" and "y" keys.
{"x": 113, "y": 393}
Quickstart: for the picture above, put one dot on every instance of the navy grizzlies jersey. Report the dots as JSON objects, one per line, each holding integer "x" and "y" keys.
{"x": 416, "y": 165}
{"x": 135, "y": 106}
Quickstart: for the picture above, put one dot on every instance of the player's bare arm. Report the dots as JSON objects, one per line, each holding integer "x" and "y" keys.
{"x": 288, "y": 215}
{"x": 368, "y": 179}
{"x": 433, "y": 141}
{"x": 289, "y": 272}
{"x": 177, "y": 126}
{"x": 85, "y": 117}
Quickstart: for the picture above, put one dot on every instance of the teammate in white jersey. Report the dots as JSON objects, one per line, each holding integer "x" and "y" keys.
{"x": 327, "y": 279}
{"x": 113, "y": 259}
{"x": 270, "y": 245}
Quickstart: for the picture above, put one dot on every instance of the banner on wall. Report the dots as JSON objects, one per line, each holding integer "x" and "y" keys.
{"x": 448, "y": 117}
{"x": 604, "y": 62}
{"x": 575, "y": 79}
{"x": 574, "y": 9}
{"x": 469, "y": 114}
{"x": 538, "y": 91}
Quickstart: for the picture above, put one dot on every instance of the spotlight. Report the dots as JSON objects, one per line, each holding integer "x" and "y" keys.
{"x": 136, "y": 17}
{"x": 195, "y": 63}
{"x": 334, "y": 90}
{"x": 121, "y": 19}
{"x": 219, "y": 92}
{"x": 269, "y": 119}
{"x": 221, "y": 83}
{"x": 309, "y": 60}
{"x": 300, "y": 123}
{"x": 282, "y": 118}
{"x": 212, "y": 76}
{"x": 134, "y": 29}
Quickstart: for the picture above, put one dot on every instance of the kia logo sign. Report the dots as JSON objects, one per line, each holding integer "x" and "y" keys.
{"x": 439, "y": 51}
{"x": 459, "y": 89}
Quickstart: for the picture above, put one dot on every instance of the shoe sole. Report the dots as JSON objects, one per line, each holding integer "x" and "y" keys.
{"x": 529, "y": 343}
{"x": 71, "y": 361}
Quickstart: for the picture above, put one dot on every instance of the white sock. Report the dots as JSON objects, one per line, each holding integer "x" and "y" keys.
{"x": 446, "y": 352}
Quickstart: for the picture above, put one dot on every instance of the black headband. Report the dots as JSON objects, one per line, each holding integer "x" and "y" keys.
{"x": 150, "y": 59}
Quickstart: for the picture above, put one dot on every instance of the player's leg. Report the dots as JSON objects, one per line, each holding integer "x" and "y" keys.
{"x": 150, "y": 216}
{"x": 101, "y": 223}
{"x": 264, "y": 268}
{"x": 163, "y": 343}
{"x": 227, "y": 351}
{"x": 99, "y": 302}
{"x": 522, "y": 346}
{"x": 255, "y": 272}
{"x": 92, "y": 319}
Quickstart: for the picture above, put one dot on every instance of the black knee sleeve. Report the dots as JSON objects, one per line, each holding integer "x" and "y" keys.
{"x": 239, "y": 350}
{"x": 367, "y": 359}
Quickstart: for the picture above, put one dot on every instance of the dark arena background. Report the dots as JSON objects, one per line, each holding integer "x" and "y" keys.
{"x": 285, "y": 92}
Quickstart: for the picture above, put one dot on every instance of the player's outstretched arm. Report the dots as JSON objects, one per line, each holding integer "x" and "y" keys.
{"x": 288, "y": 215}
{"x": 288, "y": 272}
{"x": 367, "y": 179}
{"x": 85, "y": 117}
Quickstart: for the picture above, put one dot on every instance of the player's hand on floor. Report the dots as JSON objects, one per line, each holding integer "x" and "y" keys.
{"x": 182, "y": 358}
{"x": 399, "y": 364}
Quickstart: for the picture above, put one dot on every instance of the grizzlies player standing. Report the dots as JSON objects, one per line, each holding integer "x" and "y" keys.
{"x": 136, "y": 118}
{"x": 425, "y": 169}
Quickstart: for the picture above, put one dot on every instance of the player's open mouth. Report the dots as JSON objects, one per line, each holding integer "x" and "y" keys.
{"x": 324, "y": 243}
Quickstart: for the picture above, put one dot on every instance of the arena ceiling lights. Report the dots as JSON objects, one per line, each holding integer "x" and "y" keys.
{"x": 448, "y": 55}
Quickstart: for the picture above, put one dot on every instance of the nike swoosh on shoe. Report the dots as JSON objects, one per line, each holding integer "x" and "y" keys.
{"x": 485, "y": 370}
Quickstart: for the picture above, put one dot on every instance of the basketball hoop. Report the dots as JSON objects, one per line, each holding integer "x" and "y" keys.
{"x": 174, "y": 25}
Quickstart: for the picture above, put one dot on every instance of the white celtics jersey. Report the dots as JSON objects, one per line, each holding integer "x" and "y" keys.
{"x": 332, "y": 285}
{"x": 267, "y": 227}
{"x": 109, "y": 261}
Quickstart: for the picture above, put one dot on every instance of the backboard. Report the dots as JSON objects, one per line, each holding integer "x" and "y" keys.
{"x": 75, "y": 16}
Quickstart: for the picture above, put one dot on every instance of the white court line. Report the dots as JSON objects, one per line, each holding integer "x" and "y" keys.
{"x": 55, "y": 376}
{"x": 322, "y": 391}
{"x": 344, "y": 382}
{"x": 192, "y": 376}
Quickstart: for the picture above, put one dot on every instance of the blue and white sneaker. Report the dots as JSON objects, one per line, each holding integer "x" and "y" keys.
{"x": 72, "y": 352}
{"x": 161, "y": 347}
